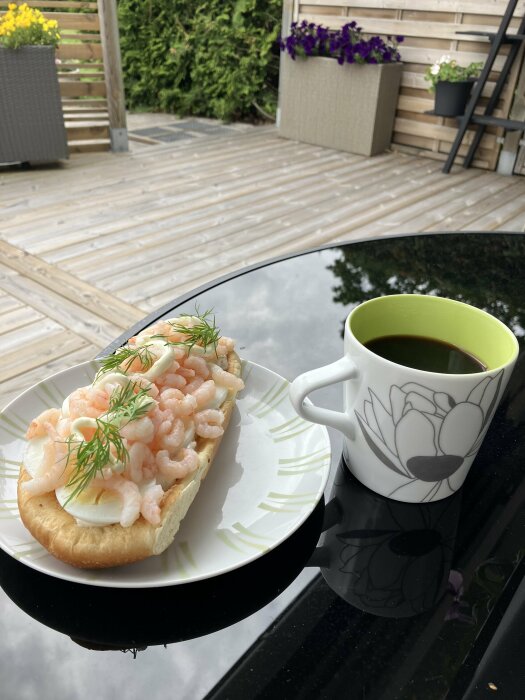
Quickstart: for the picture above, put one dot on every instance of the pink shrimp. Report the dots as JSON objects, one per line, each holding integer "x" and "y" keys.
{"x": 186, "y": 372}
{"x": 208, "y": 423}
{"x": 88, "y": 401}
{"x": 36, "y": 427}
{"x": 143, "y": 383}
{"x": 141, "y": 430}
{"x": 223, "y": 347}
{"x": 226, "y": 379}
{"x": 175, "y": 401}
{"x": 52, "y": 473}
{"x": 149, "y": 507}
{"x": 63, "y": 427}
{"x": 135, "y": 364}
{"x": 137, "y": 454}
{"x": 191, "y": 387}
{"x": 128, "y": 492}
{"x": 205, "y": 393}
{"x": 199, "y": 365}
{"x": 158, "y": 328}
{"x": 171, "y": 380}
{"x": 186, "y": 461}
{"x": 149, "y": 466}
{"x": 173, "y": 440}
{"x": 160, "y": 416}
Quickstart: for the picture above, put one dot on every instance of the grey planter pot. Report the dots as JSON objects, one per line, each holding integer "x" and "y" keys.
{"x": 349, "y": 107}
{"x": 451, "y": 98}
{"x": 32, "y": 124}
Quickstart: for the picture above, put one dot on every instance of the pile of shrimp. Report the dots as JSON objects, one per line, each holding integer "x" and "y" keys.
{"x": 161, "y": 445}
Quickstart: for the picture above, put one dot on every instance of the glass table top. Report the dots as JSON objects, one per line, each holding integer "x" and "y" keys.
{"x": 370, "y": 597}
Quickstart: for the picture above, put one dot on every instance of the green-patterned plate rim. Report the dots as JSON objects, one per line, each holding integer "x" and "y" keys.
{"x": 268, "y": 476}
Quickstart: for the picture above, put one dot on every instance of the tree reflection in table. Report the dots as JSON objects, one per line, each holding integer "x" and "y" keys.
{"x": 485, "y": 271}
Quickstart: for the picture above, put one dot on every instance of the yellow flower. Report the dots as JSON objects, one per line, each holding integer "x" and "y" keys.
{"x": 25, "y": 25}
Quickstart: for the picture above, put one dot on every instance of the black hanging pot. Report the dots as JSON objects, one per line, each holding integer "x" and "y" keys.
{"x": 451, "y": 98}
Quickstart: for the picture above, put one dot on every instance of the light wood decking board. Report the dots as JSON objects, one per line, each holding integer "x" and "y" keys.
{"x": 154, "y": 206}
{"x": 200, "y": 229}
{"x": 287, "y": 225}
{"x": 69, "y": 286}
{"x": 163, "y": 163}
{"x": 160, "y": 230}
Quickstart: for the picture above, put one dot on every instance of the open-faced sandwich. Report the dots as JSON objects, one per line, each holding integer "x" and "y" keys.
{"x": 108, "y": 476}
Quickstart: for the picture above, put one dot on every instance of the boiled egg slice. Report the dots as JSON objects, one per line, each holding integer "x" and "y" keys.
{"x": 33, "y": 455}
{"x": 220, "y": 394}
{"x": 95, "y": 506}
{"x": 92, "y": 506}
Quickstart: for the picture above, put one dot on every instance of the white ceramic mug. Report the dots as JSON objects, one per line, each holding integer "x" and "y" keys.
{"x": 410, "y": 434}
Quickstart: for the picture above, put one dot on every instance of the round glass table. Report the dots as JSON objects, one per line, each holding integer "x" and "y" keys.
{"x": 368, "y": 597}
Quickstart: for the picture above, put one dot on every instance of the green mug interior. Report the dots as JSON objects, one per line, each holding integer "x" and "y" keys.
{"x": 468, "y": 328}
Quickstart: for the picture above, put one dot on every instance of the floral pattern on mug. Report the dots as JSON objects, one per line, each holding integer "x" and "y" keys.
{"x": 426, "y": 435}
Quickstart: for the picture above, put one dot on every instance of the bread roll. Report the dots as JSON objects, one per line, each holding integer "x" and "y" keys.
{"x": 114, "y": 545}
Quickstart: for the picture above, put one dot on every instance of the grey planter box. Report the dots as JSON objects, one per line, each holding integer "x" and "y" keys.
{"x": 31, "y": 120}
{"x": 349, "y": 107}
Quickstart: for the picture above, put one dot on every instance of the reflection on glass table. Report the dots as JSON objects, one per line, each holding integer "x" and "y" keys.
{"x": 386, "y": 557}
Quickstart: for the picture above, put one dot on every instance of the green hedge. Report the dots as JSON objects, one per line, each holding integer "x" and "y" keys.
{"x": 213, "y": 58}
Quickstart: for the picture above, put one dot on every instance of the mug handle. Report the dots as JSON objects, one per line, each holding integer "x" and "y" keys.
{"x": 333, "y": 373}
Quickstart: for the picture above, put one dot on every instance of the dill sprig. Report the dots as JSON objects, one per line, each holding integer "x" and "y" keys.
{"x": 204, "y": 332}
{"x": 91, "y": 456}
{"x": 125, "y": 356}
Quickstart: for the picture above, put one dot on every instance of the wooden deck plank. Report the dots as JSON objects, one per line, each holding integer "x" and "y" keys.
{"x": 13, "y": 386}
{"x": 33, "y": 334}
{"x": 160, "y": 160}
{"x": 18, "y": 318}
{"x": 160, "y": 203}
{"x": 502, "y": 211}
{"x": 431, "y": 213}
{"x": 305, "y": 231}
{"x": 109, "y": 308}
{"x": 511, "y": 195}
{"x": 287, "y": 218}
{"x": 161, "y": 227}
{"x": 29, "y": 293}
{"x": 134, "y": 198}
{"x": 9, "y": 303}
{"x": 218, "y": 221}
{"x": 32, "y": 355}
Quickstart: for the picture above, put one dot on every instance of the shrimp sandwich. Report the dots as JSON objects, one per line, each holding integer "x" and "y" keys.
{"x": 108, "y": 477}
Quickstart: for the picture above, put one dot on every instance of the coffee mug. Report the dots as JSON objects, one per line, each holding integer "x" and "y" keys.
{"x": 411, "y": 434}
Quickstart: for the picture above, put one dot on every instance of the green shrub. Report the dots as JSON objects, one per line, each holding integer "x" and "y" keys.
{"x": 213, "y": 58}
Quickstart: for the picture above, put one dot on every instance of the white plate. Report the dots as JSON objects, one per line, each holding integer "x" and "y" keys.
{"x": 269, "y": 474}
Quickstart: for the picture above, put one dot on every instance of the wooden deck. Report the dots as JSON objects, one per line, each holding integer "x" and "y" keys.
{"x": 89, "y": 247}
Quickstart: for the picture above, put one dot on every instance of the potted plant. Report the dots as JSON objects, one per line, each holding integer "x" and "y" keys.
{"x": 452, "y": 85}
{"x": 338, "y": 88}
{"x": 30, "y": 109}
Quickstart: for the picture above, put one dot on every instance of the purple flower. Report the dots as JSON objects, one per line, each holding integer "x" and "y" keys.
{"x": 346, "y": 44}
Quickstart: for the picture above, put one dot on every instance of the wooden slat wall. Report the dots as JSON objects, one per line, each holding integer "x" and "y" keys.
{"x": 80, "y": 71}
{"x": 429, "y": 29}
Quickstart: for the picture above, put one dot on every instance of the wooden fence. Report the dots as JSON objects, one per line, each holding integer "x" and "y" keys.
{"x": 430, "y": 30}
{"x": 89, "y": 72}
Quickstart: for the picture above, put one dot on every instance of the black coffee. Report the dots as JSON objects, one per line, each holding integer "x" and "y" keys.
{"x": 426, "y": 354}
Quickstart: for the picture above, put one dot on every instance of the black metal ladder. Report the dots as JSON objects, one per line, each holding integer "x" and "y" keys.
{"x": 497, "y": 39}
